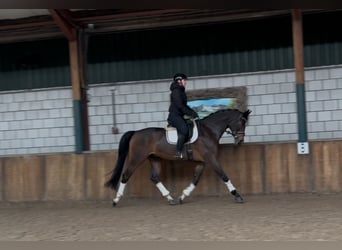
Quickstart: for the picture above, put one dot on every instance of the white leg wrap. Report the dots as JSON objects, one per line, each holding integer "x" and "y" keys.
{"x": 120, "y": 192}
{"x": 230, "y": 186}
{"x": 162, "y": 189}
{"x": 121, "y": 189}
{"x": 189, "y": 189}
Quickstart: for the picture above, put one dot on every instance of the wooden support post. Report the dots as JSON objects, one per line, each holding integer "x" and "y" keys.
{"x": 298, "y": 45}
{"x": 83, "y": 48}
{"x": 78, "y": 76}
{"x": 77, "y": 94}
{"x": 298, "y": 50}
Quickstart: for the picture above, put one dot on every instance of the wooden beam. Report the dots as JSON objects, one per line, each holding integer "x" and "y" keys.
{"x": 120, "y": 23}
{"x": 27, "y": 25}
{"x": 298, "y": 50}
{"x": 66, "y": 27}
{"x": 67, "y": 15}
{"x": 75, "y": 69}
{"x": 12, "y": 38}
{"x": 74, "y": 34}
{"x": 79, "y": 97}
{"x": 133, "y": 14}
{"x": 297, "y": 31}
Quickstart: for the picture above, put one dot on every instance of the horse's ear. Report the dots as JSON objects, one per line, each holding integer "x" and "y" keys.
{"x": 247, "y": 112}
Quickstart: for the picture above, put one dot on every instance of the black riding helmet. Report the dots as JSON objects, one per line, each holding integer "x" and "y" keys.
{"x": 179, "y": 76}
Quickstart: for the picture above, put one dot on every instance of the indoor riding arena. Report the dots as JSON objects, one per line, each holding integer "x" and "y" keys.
{"x": 72, "y": 82}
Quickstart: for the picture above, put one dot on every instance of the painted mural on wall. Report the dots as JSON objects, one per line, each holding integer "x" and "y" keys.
{"x": 207, "y": 106}
{"x": 208, "y": 101}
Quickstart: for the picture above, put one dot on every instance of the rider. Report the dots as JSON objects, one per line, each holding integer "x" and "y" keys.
{"x": 178, "y": 108}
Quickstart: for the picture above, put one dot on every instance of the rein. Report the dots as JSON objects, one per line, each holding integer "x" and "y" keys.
{"x": 235, "y": 134}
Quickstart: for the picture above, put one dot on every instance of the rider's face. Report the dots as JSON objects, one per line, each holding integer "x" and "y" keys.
{"x": 183, "y": 83}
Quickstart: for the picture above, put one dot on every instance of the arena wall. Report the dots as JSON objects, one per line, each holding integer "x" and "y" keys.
{"x": 41, "y": 121}
{"x": 253, "y": 169}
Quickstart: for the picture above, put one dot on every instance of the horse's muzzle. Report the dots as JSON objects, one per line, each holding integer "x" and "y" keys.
{"x": 238, "y": 141}
{"x": 239, "y": 138}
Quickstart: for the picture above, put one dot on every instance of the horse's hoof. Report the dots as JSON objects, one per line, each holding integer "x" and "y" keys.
{"x": 238, "y": 199}
{"x": 114, "y": 203}
{"x": 171, "y": 202}
{"x": 180, "y": 200}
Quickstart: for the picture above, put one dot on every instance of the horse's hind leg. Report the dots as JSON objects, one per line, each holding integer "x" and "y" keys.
{"x": 119, "y": 193}
{"x": 233, "y": 191}
{"x": 197, "y": 176}
{"x": 155, "y": 178}
{"x": 132, "y": 166}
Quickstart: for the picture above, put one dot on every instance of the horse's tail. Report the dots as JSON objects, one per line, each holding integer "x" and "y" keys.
{"x": 123, "y": 151}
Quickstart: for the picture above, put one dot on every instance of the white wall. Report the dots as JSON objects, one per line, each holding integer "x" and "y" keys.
{"x": 37, "y": 121}
{"x": 41, "y": 121}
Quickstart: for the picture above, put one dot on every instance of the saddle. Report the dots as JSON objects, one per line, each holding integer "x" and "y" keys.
{"x": 172, "y": 136}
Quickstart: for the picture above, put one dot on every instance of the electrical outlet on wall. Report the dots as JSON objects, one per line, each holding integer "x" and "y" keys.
{"x": 303, "y": 148}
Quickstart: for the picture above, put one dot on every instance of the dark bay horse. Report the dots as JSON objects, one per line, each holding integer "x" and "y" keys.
{"x": 151, "y": 143}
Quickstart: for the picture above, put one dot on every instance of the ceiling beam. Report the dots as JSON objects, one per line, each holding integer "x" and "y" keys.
{"x": 135, "y": 14}
{"x": 67, "y": 22}
{"x": 194, "y": 17}
{"x": 67, "y": 15}
{"x": 27, "y": 25}
{"x": 68, "y": 30}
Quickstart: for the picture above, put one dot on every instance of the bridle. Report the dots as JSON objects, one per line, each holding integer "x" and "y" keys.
{"x": 236, "y": 134}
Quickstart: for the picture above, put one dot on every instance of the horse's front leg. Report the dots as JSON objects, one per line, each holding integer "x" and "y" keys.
{"x": 155, "y": 178}
{"x": 197, "y": 176}
{"x": 218, "y": 169}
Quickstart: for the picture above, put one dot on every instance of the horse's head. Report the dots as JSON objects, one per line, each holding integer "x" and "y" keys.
{"x": 237, "y": 127}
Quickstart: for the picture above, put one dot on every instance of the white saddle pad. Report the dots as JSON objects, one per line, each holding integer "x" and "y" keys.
{"x": 171, "y": 134}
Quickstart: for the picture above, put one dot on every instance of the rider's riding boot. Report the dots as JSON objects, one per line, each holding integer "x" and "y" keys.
{"x": 180, "y": 143}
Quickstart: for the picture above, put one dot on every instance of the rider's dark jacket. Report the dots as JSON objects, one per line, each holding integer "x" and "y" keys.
{"x": 178, "y": 102}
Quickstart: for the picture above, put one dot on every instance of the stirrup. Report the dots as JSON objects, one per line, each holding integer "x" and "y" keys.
{"x": 179, "y": 155}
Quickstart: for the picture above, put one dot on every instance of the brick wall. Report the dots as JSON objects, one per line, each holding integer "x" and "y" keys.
{"x": 41, "y": 121}
{"x": 36, "y": 122}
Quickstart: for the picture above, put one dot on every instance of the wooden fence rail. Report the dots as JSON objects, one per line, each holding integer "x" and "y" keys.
{"x": 253, "y": 169}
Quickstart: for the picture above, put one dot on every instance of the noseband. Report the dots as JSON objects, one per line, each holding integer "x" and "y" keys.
{"x": 236, "y": 134}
